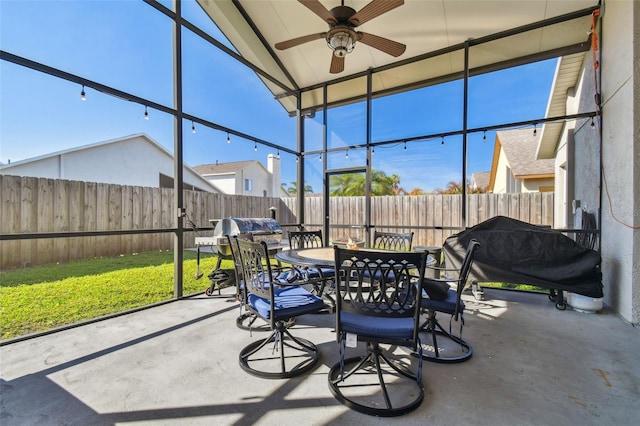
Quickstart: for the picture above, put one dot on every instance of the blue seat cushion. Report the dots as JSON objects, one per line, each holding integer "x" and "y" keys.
{"x": 287, "y": 277}
{"x": 315, "y": 272}
{"x": 289, "y": 302}
{"x": 370, "y": 326}
{"x": 447, "y": 305}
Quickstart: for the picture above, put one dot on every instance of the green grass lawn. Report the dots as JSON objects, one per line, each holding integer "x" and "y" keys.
{"x": 520, "y": 287}
{"x": 43, "y": 297}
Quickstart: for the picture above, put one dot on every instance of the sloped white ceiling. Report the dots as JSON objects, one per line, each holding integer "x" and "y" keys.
{"x": 424, "y": 26}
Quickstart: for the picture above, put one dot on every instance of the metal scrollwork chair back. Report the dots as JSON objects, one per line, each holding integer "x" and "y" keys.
{"x": 378, "y": 295}
{"x": 276, "y": 298}
{"x": 393, "y": 240}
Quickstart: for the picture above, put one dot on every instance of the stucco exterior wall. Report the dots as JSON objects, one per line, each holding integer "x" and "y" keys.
{"x": 586, "y": 170}
{"x": 620, "y": 245}
{"x": 562, "y": 193}
{"x": 635, "y": 273}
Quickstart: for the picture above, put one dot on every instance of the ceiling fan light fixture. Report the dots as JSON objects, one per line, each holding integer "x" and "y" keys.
{"x": 341, "y": 42}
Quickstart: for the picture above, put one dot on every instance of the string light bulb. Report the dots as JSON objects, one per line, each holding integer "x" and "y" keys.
{"x": 228, "y": 138}
{"x": 593, "y": 124}
{"x": 535, "y": 129}
{"x": 405, "y": 146}
{"x": 255, "y": 146}
{"x": 193, "y": 127}
{"x": 347, "y": 154}
{"x": 484, "y": 136}
{"x": 373, "y": 150}
{"x": 83, "y": 96}
{"x": 278, "y": 153}
{"x": 442, "y": 141}
{"x": 320, "y": 157}
{"x": 146, "y": 113}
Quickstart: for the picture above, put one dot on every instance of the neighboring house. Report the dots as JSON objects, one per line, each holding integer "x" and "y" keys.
{"x": 135, "y": 160}
{"x": 480, "y": 181}
{"x": 245, "y": 177}
{"x": 514, "y": 168}
{"x": 576, "y": 170}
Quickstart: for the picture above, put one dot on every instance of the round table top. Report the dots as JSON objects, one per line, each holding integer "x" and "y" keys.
{"x": 319, "y": 256}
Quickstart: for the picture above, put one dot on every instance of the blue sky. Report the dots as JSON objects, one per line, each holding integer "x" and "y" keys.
{"x": 127, "y": 45}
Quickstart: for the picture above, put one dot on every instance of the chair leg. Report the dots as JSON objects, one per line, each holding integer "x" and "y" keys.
{"x": 246, "y": 320}
{"x": 260, "y": 360}
{"x": 406, "y": 396}
{"x": 435, "y": 329}
{"x": 250, "y": 319}
{"x": 321, "y": 289}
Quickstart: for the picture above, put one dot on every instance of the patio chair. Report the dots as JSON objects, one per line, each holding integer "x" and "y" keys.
{"x": 276, "y": 298}
{"x": 319, "y": 278}
{"x": 246, "y": 319}
{"x": 442, "y": 298}
{"x": 378, "y": 312}
{"x": 392, "y": 240}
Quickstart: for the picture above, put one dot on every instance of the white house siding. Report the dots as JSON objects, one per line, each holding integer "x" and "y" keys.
{"x": 500, "y": 182}
{"x": 135, "y": 160}
{"x": 534, "y": 185}
{"x": 44, "y": 168}
{"x": 259, "y": 176}
{"x": 226, "y": 183}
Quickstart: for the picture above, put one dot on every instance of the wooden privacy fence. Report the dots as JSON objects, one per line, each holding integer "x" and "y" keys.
{"x": 432, "y": 218}
{"x": 37, "y": 205}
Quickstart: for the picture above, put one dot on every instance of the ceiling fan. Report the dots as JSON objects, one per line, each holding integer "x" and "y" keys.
{"x": 342, "y": 34}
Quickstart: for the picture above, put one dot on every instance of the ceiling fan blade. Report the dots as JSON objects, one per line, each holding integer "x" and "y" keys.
{"x": 390, "y": 47}
{"x": 373, "y": 10}
{"x": 337, "y": 64}
{"x": 316, "y": 7}
{"x": 299, "y": 40}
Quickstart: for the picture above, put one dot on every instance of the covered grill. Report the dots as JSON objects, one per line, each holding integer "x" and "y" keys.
{"x": 260, "y": 229}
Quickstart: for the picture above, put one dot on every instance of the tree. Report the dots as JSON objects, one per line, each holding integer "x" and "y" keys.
{"x": 452, "y": 188}
{"x": 416, "y": 191}
{"x": 353, "y": 184}
{"x": 456, "y": 188}
{"x": 293, "y": 189}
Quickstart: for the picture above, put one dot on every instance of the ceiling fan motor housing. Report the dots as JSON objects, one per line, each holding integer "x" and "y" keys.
{"x": 342, "y": 36}
{"x": 342, "y": 40}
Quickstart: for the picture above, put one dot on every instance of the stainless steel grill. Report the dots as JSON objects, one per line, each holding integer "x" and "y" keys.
{"x": 260, "y": 229}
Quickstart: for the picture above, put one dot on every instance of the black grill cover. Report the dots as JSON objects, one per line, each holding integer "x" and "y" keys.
{"x": 520, "y": 253}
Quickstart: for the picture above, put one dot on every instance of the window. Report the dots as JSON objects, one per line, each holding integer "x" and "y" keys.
{"x": 248, "y": 185}
{"x": 513, "y": 184}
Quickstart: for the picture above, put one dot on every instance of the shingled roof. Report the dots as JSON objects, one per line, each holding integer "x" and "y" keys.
{"x": 520, "y": 147}
{"x": 481, "y": 179}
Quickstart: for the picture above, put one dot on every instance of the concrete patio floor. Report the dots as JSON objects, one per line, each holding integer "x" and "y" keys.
{"x": 177, "y": 364}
